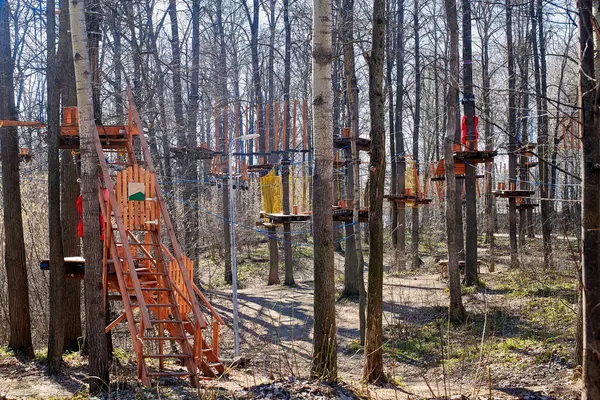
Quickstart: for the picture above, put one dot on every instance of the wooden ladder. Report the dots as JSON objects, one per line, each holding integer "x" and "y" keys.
{"x": 159, "y": 298}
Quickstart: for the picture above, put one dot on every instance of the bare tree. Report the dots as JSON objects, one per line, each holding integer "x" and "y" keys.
{"x": 416, "y": 261}
{"x": 324, "y": 341}
{"x": 69, "y": 187}
{"x": 373, "y": 368}
{"x": 95, "y": 315}
{"x": 14, "y": 260}
{"x": 399, "y": 163}
{"x": 588, "y": 114}
{"x": 55, "y": 242}
{"x": 470, "y": 171}
{"x": 512, "y": 133}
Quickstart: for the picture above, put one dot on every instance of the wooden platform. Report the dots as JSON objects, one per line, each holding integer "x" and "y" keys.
{"x": 458, "y": 177}
{"x": 345, "y": 214}
{"x": 260, "y": 167}
{"x": 75, "y": 267}
{"x": 513, "y": 193}
{"x": 527, "y": 206}
{"x": 280, "y": 218}
{"x": 362, "y": 144}
{"x": 338, "y": 213}
{"x": 405, "y": 198}
{"x": 475, "y": 156}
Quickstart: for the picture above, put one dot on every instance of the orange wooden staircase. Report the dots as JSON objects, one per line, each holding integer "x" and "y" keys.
{"x": 171, "y": 323}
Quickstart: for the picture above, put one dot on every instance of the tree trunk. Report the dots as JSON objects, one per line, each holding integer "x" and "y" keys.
{"x": 470, "y": 171}
{"x": 14, "y": 260}
{"x": 489, "y": 144}
{"x": 95, "y": 316}
{"x": 324, "y": 365}
{"x": 512, "y": 139}
{"x": 193, "y": 245}
{"x": 400, "y": 161}
{"x": 69, "y": 188}
{"x": 273, "y": 257}
{"x": 352, "y": 255}
{"x": 373, "y": 368}
{"x": 223, "y": 101}
{"x": 588, "y": 117}
{"x": 55, "y": 243}
{"x": 453, "y": 98}
{"x": 544, "y": 151}
{"x": 416, "y": 127}
{"x": 456, "y": 309}
{"x": 285, "y": 175}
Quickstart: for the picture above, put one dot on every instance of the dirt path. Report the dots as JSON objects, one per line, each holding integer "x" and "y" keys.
{"x": 276, "y": 335}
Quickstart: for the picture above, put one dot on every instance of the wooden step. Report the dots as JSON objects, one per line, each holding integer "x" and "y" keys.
{"x": 158, "y": 305}
{"x": 170, "y": 373}
{"x": 167, "y": 356}
{"x": 158, "y": 289}
{"x": 139, "y": 244}
{"x": 165, "y": 321}
{"x": 167, "y": 338}
{"x": 142, "y": 273}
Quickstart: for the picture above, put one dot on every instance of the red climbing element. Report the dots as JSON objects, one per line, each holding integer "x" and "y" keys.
{"x": 463, "y": 129}
{"x": 79, "y": 205}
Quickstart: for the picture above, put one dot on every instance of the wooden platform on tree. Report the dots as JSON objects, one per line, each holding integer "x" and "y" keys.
{"x": 362, "y": 144}
{"x": 346, "y": 214}
{"x": 108, "y": 142}
{"x": 260, "y": 167}
{"x": 197, "y": 153}
{"x": 458, "y": 177}
{"x": 475, "y": 156}
{"x": 406, "y": 198}
{"x": 280, "y": 218}
{"x": 74, "y": 267}
{"x": 513, "y": 193}
{"x": 527, "y": 206}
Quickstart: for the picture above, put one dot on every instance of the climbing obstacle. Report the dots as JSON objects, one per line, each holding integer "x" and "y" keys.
{"x": 167, "y": 316}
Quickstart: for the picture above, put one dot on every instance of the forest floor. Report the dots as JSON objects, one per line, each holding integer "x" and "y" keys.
{"x": 517, "y": 342}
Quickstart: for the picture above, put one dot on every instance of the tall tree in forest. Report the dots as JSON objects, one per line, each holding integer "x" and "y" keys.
{"x": 324, "y": 363}
{"x": 180, "y": 128}
{"x": 538, "y": 43}
{"x": 484, "y": 23}
{"x": 55, "y": 242}
{"x": 69, "y": 187}
{"x": 287, "y": 69}
{"x": 94, "y": 293}
{"x": 373, "y": 368}
{"x": 588, "y": 118}
{"x": 416, "y": 261}
{"x": 399, "y": 163}
{"x": 193, "y": 104}
{"x": 223, "y": 100}
{"x": 456, "y": 309}
{"x": 512, "y": 137}
{"x": 352, "y": 255}
{"x": 253, "y": 21}
{"x": 14, "y": 260}
{"x": 470, "y": 171}
{"x": 453, "y": 98}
